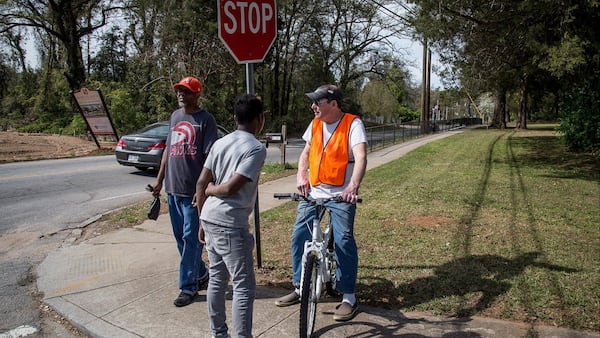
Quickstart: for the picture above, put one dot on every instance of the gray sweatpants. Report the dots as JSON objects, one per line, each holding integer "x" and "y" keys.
{"x": 230, "y": 256}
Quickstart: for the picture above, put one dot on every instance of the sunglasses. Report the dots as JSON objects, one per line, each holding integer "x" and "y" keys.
{"x": 183, "y": 91}
{"x": 319, "y": 102}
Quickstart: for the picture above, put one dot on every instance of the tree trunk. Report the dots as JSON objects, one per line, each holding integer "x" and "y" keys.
{"x": 522, "y": 114}
{"x": 75, "y": 70}
{"x": 499, "y": 120}
{"x": 67, "y": 27}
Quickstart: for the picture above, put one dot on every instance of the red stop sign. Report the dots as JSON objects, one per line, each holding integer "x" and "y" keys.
{"x": 248, "y": 28}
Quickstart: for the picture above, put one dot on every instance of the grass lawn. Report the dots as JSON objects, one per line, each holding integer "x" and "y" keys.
{"x": 496, "y": 223}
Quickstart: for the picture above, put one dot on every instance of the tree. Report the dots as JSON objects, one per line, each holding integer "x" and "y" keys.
{"x": 110, "y": 62}
{"x": 334, "y": 41}
{"x": 524, "y": 47}
{"x": 65, "y": 20}
{"x": 379, "y": 101}
{"x": 154, "y": 44}
{"x": 480, "y": 40}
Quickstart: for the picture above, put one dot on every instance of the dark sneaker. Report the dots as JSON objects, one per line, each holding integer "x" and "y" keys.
{"x": 203, "y": 283}
{"x": 291, "y": 299}
{"x": 184, "y": 299}
{"x": 345, "y": 311}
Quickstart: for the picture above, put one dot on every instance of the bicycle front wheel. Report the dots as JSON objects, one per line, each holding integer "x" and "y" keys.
{"x": 309, "y": 297}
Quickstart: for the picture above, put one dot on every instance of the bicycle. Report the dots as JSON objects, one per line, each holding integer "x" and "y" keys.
{"x": 318, "y": 262}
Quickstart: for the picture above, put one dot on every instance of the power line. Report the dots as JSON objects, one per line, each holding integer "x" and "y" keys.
{"x": 392, "y": 13}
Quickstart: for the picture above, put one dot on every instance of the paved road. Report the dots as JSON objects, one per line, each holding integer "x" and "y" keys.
{"x": 40, "y": 201}
{"x": 293, "y": 148}
{"x": 48, "y": 196}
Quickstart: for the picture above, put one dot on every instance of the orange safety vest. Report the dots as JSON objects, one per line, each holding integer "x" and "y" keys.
{"x": 327, "y": 163}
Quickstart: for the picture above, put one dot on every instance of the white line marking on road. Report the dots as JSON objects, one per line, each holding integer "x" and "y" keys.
{"x": 121, "y": 196}
{"x": 55, "y": 173}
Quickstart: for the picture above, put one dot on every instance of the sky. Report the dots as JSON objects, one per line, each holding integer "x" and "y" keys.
{"x": 414, "y": 56}
{"x": 412, "y": 51}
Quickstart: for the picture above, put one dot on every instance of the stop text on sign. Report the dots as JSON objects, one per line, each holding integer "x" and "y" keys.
{"x": 248, "y": 28}
{"x": 251, "y": 15}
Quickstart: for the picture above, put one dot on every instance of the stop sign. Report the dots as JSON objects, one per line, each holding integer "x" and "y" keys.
{"x": 248, "y": 28}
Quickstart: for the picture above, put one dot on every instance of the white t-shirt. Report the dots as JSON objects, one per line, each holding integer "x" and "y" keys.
{"x": 357, "y": 135}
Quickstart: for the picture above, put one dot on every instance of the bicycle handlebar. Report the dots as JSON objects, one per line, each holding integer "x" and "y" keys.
{"x": 285, "y": 195}
{"x": 297, "y": 197}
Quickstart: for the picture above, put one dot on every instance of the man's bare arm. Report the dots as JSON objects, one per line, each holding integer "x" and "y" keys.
{"x": 302, "y": 182}
{"x": 350, "y": 193}
{"x": 231, "y": 187}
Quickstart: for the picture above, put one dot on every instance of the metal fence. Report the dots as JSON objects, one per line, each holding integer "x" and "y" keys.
{"x": 389, "y": 134}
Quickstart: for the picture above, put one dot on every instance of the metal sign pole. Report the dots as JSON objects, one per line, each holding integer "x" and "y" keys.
{"x": 250, "y": 78}
{"x": 250, "y": 90}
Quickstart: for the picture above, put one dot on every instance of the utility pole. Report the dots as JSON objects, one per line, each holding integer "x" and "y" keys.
{"x": 425, "y": 88}
{"x": 428, "y": 88}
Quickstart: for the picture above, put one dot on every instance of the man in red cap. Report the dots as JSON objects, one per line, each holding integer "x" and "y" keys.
{"x": 193, "y": 131}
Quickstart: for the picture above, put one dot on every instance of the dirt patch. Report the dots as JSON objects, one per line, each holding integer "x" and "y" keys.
{"x": 15, "y": 146}
{"x": 428, "y": 221}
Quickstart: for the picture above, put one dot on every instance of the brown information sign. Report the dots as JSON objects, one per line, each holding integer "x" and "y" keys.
{"x": 94, "y": 111}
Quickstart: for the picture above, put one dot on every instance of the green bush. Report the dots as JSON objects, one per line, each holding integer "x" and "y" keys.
{"x": 580, "y": 128}
{"x": 77, "y": 126}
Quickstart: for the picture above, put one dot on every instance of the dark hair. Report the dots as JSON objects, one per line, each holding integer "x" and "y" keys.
{"x": 247, "y": 108}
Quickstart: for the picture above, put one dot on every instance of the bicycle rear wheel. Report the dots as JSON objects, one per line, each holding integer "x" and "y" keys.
{"x": 309, "y": 297}
{"x": 330, "y": 286}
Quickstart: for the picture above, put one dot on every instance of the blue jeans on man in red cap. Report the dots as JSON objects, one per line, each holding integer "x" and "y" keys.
{"x": 186, "y": 224}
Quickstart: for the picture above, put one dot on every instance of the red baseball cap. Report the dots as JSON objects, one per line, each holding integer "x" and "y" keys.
{"x": 190, "y": 83}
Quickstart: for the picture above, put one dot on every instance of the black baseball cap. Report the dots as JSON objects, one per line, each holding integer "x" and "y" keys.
{"x": 329, "y": 92}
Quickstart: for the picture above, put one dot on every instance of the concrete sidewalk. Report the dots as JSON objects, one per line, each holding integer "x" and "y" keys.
{"x": 122, "y": 284}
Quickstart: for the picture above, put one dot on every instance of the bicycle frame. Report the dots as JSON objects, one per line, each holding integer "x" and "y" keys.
{"x": 321, "y": 240}
{"x": 318, "y": 262}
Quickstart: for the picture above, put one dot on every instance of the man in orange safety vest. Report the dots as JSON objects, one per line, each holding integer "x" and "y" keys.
{"x": 335, "y": 158}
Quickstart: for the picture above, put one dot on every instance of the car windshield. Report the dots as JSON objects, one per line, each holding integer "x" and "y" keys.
{"x": 155, "y": 130}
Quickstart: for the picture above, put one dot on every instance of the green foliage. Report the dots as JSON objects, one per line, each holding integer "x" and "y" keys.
{"x": 407, "y": 114}
{"x": 565, "y": 57}
{"x": 18, "y": 101}
{"x": 581, "y": 131}
{"x": 123, "y": 111}
{"x": 558, "y": 51}
{"x": 77, "y": 126}
{"x": 137, "y": 60}
{"x": 110, "y": 64}
{"x": 53, "y": 103}
{"x": 377, "y": 99}
{"x": 37, "y": 102}
{"x": 580, "y": 127}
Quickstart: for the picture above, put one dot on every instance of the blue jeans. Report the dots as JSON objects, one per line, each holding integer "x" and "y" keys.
{"x": 342, "y": 218}
{"x": 230, "y": 255}
{"x": 186, "y": 224}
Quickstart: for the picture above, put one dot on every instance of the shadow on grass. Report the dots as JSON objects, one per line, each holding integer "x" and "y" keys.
{"x": 485, "y": 275}
{"x": 548, "y": 152}
{"x": 482, "y": 277}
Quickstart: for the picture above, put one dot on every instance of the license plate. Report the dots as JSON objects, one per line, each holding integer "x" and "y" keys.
{"x": 133, "y": 158}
